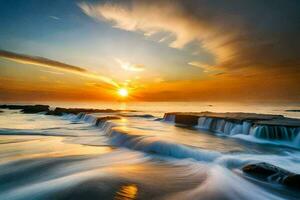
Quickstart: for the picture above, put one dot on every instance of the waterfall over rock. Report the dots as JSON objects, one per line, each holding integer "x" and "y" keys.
{"x": 269, "y": 127}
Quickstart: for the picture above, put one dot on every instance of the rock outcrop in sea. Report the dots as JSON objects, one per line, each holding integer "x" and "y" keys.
{"x": 264, "y": 126}
{"x": 27, "y": 108}
{"x": 270, "y": 172}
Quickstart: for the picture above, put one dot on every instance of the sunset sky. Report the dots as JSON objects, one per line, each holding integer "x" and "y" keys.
{"x": 195, "y": 50}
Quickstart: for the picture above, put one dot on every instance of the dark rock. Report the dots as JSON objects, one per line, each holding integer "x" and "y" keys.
{"x": 292, "y": 110}
{"x": 189, "y": 120}
{"x": 13, "y": 107}
{"x": 142, "y": 116}
{"x": 27, "y": 108}
{"x": 261, "y": 169}
{"x": 292, "y": 181}
{"x": 146, "y": 116}
{"x": 104, "y": 119}
{"x": 275, "y": 122}
{"x": 236, "y": 117}
{"x": 35, "y": 109}
{"x": 57, "y": 111}
{"x": 270, "y": 172}
{"x": 60, "y": 111}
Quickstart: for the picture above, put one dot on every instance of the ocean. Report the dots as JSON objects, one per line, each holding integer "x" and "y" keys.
{"x": 137, "y": 152}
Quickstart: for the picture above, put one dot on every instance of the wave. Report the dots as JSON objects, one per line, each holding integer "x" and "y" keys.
{"x": 160, "y": 147}
{"x": 121, "y": 138}
{"x": 108, "y": 125}
{"x": 118, "y": 136}
{"x": 221, "y": 183}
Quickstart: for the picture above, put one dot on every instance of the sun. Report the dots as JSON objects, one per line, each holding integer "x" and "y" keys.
{"x": 123, "y": 92}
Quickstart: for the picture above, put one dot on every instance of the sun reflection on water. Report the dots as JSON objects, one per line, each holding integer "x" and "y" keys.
{"x": 127, "y": 192}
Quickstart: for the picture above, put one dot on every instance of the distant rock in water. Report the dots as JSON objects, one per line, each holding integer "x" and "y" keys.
{"x": 57, "y": 111}
{"x": 292, "y": 110}
{"x": 273, "y": 173}
{"x": 27, "y": 108}
{"x": 137, "y": 115}
{"x": 60, "y": 111}
{"x": 36, "y": 109}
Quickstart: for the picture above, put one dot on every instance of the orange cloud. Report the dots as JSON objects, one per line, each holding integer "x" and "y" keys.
{"x": 205, "y": 67}
{"x": 129, "y": 66}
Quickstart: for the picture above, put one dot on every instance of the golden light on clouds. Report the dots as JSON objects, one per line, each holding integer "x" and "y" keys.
{"x": 205, "y": 67}
{"x": 129, "y": 66}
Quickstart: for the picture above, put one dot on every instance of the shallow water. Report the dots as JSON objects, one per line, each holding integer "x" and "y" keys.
{"x": 135, "y": 157}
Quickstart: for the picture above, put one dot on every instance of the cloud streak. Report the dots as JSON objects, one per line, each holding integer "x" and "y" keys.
{"x": 240, "y": 34}
{"x": 129, "y": 66}
{"x": 52, "y": 64}
{"x": 54, "y": 17}
{"x": 205, "y": 67}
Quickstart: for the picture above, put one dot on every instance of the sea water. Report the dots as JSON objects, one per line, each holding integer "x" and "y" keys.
{"x": 138, "y": 156}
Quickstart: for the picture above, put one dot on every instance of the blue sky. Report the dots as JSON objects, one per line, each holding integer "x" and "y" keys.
{"x": 59, "y": 30}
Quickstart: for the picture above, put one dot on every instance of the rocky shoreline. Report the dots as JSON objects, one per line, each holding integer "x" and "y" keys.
{"x": 58, "y": 111}
{"x": 238, "y": 117}
{"x": 262, "y": 171}
{"x": 265, "y": 126}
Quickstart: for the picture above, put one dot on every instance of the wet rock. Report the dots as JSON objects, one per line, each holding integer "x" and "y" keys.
{"x": 261, "y": 169}
{"x": 13, "y": 107}
{"x": 142, "y": 116}
{"x": 270, "y": 172}
{"x": 27, "y": 108}
{"x": 292, "y": 181}
{"x": 264, "y": 126}
{"x": 189, "y": 120}
{"x": 104, "y": 119}
{"x": 35, "y": 109}
{"x": 292, "y": 110}
{"x": 145, "y": 116}
{"x": 60, "y": 111}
